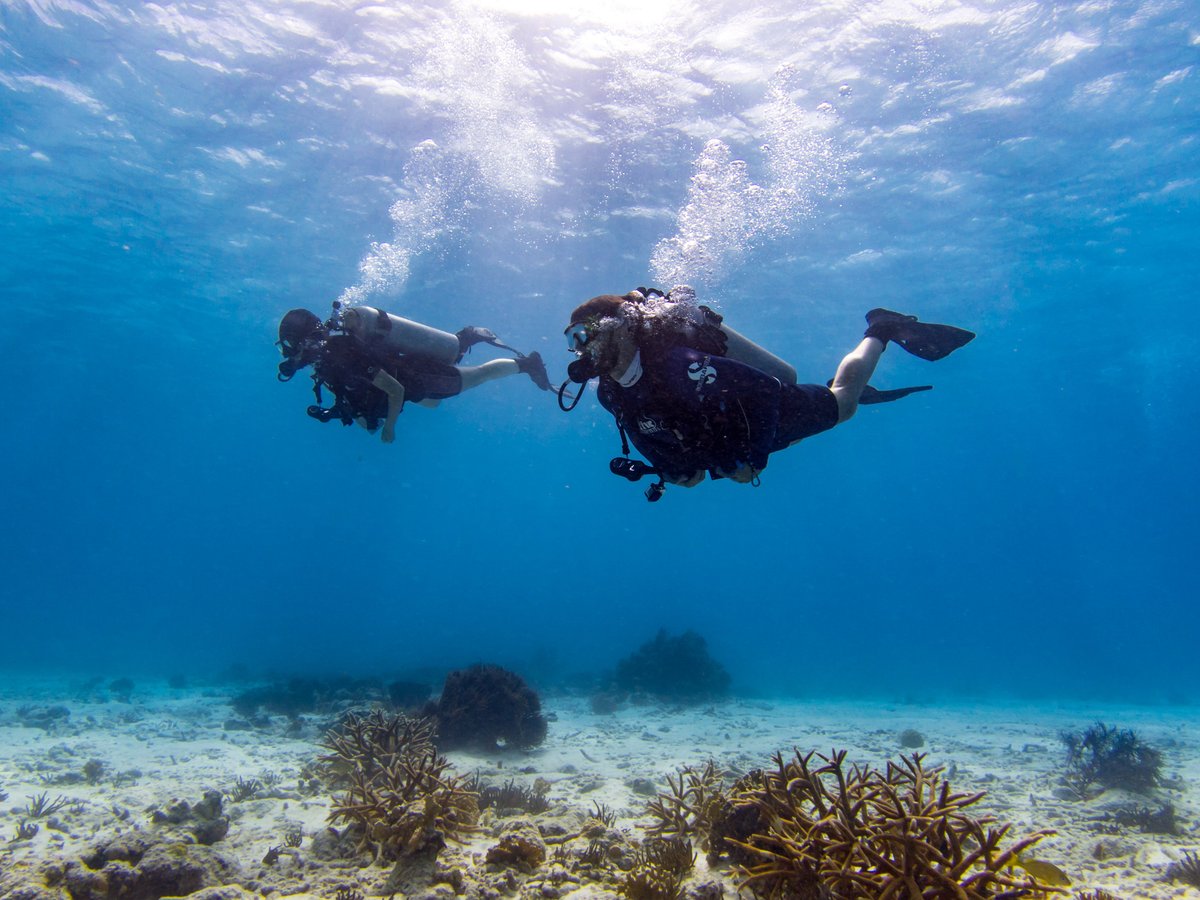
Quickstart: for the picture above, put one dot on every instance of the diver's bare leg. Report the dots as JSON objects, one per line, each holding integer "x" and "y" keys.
{"x": 474, "y": 376}
{"x": 853, "y": 374}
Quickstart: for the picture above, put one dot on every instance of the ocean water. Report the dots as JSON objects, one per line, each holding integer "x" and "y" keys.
{"x": 178, "y": 175}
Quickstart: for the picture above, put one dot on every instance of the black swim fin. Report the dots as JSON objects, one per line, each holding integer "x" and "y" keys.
{"x": 874, "y": 395}
{"x": 871, "y": 395}
{"x": 476, "y": 334}
{"x": 533, "y": 366}
{"x": 923, "y": 339}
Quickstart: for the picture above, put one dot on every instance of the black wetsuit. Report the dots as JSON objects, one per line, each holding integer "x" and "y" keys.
{"x": 691, "y": 411}
{"x": 346, "y": 366}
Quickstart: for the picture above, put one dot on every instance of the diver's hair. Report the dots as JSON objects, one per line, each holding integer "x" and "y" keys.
{"x": 602, "y": 307}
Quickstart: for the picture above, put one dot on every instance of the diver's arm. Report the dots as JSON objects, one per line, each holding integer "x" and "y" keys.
{"x": 395, "y": 394}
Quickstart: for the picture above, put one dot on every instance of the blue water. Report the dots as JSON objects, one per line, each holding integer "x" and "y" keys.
{"x": 176, "y": 176}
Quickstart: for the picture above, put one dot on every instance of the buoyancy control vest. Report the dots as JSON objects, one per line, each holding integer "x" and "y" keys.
{"x": 361, "y": 340}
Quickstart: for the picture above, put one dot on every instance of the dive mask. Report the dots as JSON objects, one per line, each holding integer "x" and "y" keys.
{"x": 578, "y": 336}
{"x": 296, "y": 356}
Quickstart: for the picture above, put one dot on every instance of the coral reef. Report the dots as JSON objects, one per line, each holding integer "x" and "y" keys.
{"x": 122, "y": 690}
{"x": 400, "y": 797}
{"x": 205, "y": 821}
{"x": 133, "y": 869}
{"x": 520, "y": 846}
{"x": 1110, "y": 758}
{"x": 694, "y": 798}
{"x": 487, "y": 708}
{"x": 94, "y": 770}
{"x": 814, "y": 827}
{"x": 408, "y": 696}
{"x": 511, "y": 796}
{"x": 299, "y": 696}
{"x": 673, "y": 669}
{"x": 47, "y": 718}
{"x": 659, "y": 866}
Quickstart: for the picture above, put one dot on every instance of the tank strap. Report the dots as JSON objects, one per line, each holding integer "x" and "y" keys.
{"x": 382, "y": 322}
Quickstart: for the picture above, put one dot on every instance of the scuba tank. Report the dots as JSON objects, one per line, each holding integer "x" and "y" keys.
{"x": 379, "y": 329}
{"x": 703, "y": 329}
{"x": 746, "y": 351}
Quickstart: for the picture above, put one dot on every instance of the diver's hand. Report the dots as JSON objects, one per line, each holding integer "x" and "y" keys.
{"x": 388, "y": 434}
{"x": 743, "y": 474}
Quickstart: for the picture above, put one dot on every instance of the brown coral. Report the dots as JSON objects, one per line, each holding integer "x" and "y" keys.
{"x": 518, "y": 850}
{"x": 401, "y": 796}
{"x": 659, "y": 866}
{"x": 814, "y": 827}
{"x": 850, "y": 831}
{"x": 685, "y": 808}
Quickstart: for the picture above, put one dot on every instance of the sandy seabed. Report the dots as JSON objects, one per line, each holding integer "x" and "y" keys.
{"x": 121, "y": 768}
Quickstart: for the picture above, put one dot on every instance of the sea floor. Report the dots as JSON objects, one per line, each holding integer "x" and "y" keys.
{"x": 118, "y": 769}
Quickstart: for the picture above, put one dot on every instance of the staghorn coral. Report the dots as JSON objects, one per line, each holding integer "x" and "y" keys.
{"x": 856, "y": 832}
{"x": 687, "y": 807}
{"x": 372, "y": 736}
{"x": 659, "y": 866}
{"x": 401, "y": 796}
{"x": 814, "y": 827}
{"x": 699, "y": 803}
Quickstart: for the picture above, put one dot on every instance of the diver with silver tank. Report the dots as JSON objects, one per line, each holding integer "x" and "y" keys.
{"x": 373, "y": 362}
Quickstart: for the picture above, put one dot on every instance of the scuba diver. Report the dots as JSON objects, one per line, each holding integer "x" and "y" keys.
{"x": 373, "y": 362}
{"x": 696, "y": 397}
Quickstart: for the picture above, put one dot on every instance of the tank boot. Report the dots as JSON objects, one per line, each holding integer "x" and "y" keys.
{"x": 923, "y": 339}
{"x": 533, "y": 366}
{"x": 474, "y": 334}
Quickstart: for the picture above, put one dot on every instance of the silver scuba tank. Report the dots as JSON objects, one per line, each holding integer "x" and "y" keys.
{"x": 746, "y": 351}
{"x": 680, "y": 309}
{"x": 380, "y": 329}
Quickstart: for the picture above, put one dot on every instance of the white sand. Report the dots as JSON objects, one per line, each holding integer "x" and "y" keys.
{"x": 173, "y": 745}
